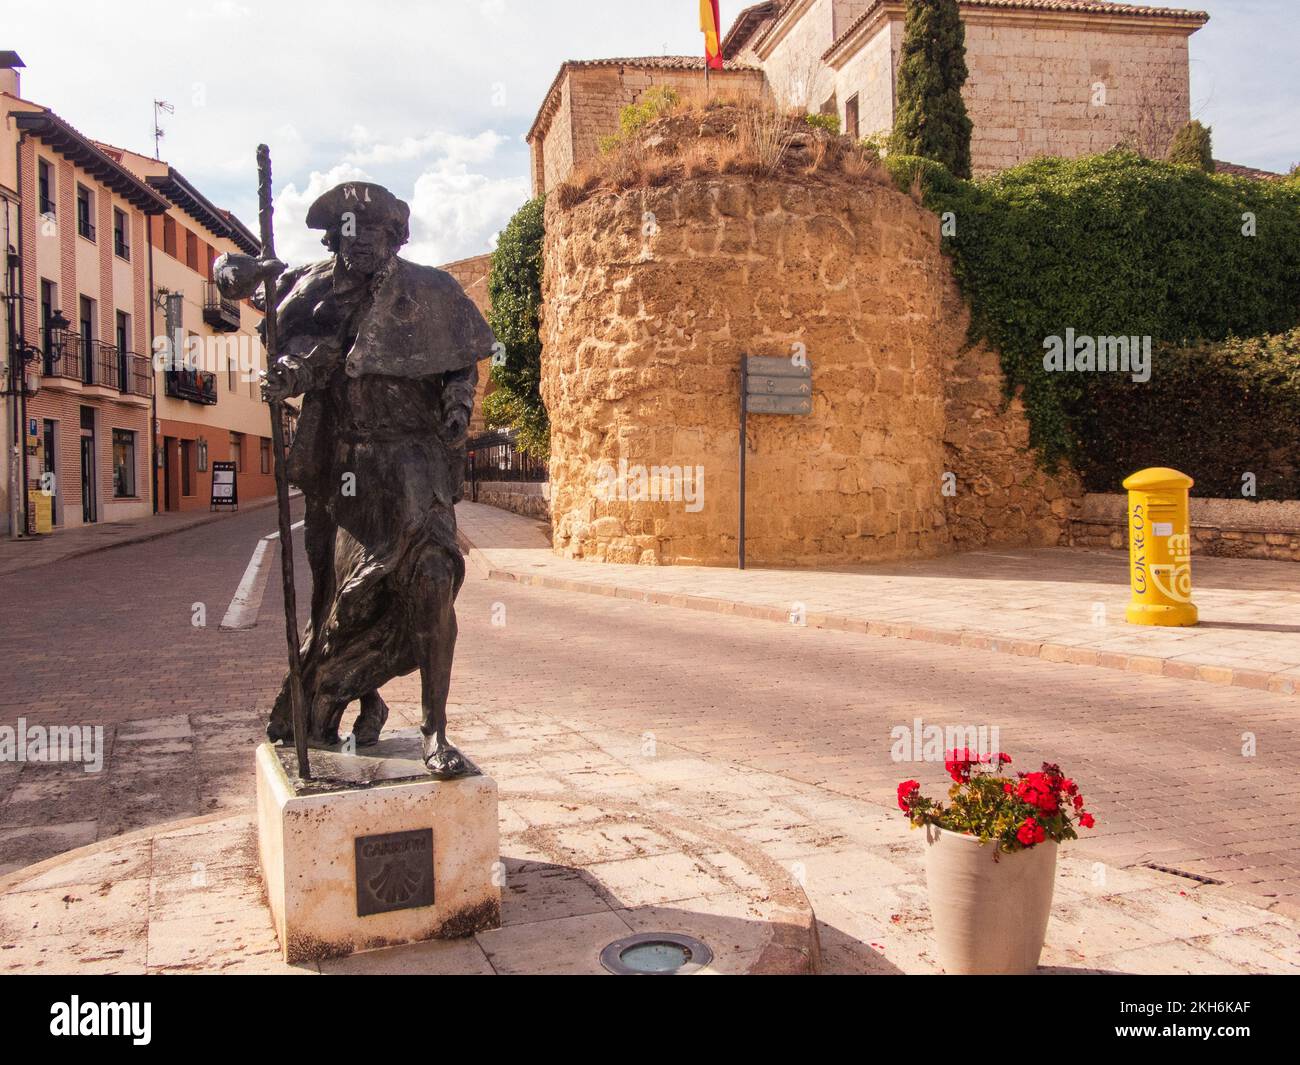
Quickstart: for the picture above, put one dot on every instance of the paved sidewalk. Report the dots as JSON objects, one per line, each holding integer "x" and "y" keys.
{"x": 17, "y": 555}
{"x": 1058, "y": 604}
{"x": 605, "y": 832}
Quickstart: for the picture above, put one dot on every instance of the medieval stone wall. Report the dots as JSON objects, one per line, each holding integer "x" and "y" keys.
{"x": 652, "y": 297}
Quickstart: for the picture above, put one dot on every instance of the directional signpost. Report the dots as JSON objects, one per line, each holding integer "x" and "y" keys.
{"x": 769, "y": 385}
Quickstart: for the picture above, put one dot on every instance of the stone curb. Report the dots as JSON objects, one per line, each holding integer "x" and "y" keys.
{"x": 1257, "y": 679}
{"x": 13, "y": 881}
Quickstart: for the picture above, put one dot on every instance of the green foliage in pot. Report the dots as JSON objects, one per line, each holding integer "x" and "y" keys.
{"x": 1014, "y": 814}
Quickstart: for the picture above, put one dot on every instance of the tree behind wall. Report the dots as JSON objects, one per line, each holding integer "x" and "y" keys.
{"x": 515, "y": 292}
{"x": 1192, "y": 147}
{"x": 931, "y": 120}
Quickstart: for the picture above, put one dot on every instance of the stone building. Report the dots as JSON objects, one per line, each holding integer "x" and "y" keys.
{"x": 585, "y": 99}
{"x": 909, "y": 450}
{"x": 1047, "y": 77}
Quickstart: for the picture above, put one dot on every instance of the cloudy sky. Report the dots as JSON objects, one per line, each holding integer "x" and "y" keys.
{"x": 433, "y": 97}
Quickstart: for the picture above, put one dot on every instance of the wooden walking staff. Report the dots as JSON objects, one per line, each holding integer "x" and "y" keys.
{"x": 297, "y": 701}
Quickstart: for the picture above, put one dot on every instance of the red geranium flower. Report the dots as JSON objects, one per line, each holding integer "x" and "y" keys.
{"x": 905, "y": 792}
{"x": 958, "y": 764}
{"x": 1030, "y": 832}
{"x": 1087, "y": 820}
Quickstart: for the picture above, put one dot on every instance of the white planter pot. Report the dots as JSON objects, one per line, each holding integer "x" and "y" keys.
{"x": 990, "y": 917}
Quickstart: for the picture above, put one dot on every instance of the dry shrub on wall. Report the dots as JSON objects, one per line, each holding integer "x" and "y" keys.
{"x": 747, "y": 137}
{"x": 765, "y": 137}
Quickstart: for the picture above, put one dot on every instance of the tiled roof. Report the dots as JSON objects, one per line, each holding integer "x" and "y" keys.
{"x": 668, "y": 62}
{"x": 1079, "y": 7}
{"x": 1237, "y": 170}
{"x": 749, "y": 21}
{"x": 216, "y": 219}
{"x": 781, "y": 7}
{"x": 1098, "y": 7}
{"x": 647, "y": 62}
{"x": 78, "y": 148}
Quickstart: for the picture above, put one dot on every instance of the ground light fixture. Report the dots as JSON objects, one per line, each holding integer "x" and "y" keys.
{"x": 656, "y": 954}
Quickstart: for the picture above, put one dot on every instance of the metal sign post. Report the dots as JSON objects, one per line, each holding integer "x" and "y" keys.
{"x": 768, "y": 385}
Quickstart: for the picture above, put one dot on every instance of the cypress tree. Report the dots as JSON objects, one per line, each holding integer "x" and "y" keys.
{"x": 1191, "y": 145}
{"x": 931, "y": 120}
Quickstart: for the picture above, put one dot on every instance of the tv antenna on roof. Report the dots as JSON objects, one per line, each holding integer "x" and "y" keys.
{"x": 158, "y": 134}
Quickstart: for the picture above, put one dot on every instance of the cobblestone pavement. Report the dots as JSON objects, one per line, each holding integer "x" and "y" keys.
{"x": 604, "y": 833}
{"x": 111, "y": 641}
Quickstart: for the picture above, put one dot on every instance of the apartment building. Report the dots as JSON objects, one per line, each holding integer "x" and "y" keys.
{"x": 209, "y": 406}
{"x": 77, "y": 290}
{"x": 127, "y": 375}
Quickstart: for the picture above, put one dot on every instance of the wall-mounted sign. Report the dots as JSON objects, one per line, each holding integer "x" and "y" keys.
{"x": 225, "y": 489}
{"x": 769, "y": 384}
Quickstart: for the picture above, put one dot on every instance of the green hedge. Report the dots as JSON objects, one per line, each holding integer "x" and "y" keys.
{"x": 1218, "y": 412}
{"x": 1113, "y": 245}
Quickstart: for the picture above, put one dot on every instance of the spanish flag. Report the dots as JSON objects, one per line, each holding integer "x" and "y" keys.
{"x": 712, "y": 36}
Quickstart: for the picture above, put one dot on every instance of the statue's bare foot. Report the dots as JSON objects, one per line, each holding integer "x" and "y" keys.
{"x": 444, "y": 762}
{"x": 370, "y": 721}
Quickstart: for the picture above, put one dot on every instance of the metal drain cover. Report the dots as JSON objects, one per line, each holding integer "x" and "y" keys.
{"x": 656, "y": 954}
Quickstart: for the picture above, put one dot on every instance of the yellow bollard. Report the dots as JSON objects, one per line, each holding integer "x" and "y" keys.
{"x": 1160, "y": 548}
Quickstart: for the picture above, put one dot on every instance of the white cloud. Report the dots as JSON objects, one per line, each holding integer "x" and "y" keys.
{"x": 453, "y": 146}
{"x": 294, "y": 242}
{"x": 456, "y": 211}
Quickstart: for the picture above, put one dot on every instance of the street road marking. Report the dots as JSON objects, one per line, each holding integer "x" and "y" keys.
{"x": 247, "y": 603}
{"x": 276, "y": 535}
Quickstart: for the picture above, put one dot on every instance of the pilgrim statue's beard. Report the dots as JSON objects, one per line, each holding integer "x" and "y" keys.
{"x": 365, "y": 258}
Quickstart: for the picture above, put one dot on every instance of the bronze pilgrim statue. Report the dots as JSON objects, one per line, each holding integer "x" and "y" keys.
{"x": 384, "y": 354}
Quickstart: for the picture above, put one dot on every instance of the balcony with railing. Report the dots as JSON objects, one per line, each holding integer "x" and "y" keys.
{"x": 65, "y": 358}
{"x": 197, "y": 386}
{"x": 136, "y": 374}
{"x": 92, "y": 362}
{"x": 220, "y": 312}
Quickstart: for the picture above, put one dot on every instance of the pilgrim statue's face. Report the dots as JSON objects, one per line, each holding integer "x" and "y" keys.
{"x": 367, "y": 249}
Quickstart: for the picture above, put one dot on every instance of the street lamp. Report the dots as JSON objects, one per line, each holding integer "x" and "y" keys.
{"x": 56, "y": 330}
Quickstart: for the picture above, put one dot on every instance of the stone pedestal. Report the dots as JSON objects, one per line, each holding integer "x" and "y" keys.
{"x": 373, "y": 852}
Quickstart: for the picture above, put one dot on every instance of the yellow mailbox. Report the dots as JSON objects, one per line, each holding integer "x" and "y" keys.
{"x": 1160, "y": 548}
{"x": 41, "y": 506}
